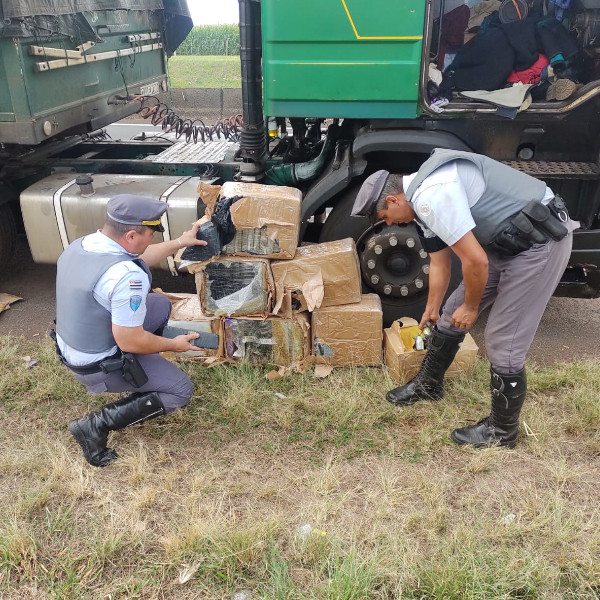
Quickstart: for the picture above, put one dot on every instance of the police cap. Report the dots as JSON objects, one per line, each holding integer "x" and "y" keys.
{"x": 130, "y": 209}
{"x": 369, "y": 193}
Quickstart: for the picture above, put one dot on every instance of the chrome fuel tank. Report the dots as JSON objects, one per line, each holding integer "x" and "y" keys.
{"x": 56, "y": 210}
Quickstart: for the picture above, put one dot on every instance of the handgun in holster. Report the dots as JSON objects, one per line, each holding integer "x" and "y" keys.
{"x": 128, "y": 364}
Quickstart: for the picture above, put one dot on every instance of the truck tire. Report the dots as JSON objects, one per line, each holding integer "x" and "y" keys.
{"x": 8, "y": 235}
{"x": 392, "y": 261}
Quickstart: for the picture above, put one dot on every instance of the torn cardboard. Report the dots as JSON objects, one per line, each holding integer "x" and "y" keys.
{"x": 349, "y": 335}
{"x": 6, "y": 300}
{"x": 272, "y": 341}
{"x": 234, "y": 286}
{"x": 319, "y": 275}
{"x": 209, "y": 194}
{"x": 187, "y": 314}
{"x": 267, "y": 220}
{"x": 404, "y": 363}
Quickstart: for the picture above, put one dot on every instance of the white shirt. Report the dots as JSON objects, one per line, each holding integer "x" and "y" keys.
{"x": 443, "y": 201}
{"x": 121, "y": 290}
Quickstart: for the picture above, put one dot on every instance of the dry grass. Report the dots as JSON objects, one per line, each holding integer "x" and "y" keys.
{"x": 211, "y": 501}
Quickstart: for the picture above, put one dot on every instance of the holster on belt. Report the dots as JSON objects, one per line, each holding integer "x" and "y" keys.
{"x": 536, "y": 223}
{"x": 127, "y": 363}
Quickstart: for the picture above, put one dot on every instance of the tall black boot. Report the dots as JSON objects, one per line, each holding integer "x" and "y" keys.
{"x": 428, "y": 383}
{"x": 91, "y": 431}
{"x": 501, "y": 428}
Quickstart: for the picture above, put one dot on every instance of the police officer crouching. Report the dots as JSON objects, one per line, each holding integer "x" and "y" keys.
{"x": 108, "y": 324}
{"x": 513, "y": 237}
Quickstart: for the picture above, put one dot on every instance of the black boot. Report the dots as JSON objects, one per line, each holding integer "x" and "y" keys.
{"x": 91, "y": 431}
{"x": 501, "y": 428}
{"x": 428, "y": 383}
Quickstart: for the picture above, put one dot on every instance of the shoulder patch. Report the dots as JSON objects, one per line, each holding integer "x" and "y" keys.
{"x": 135, "y": 302}
{"x": 135, "y": 284}
{"x": 425, "y": 209}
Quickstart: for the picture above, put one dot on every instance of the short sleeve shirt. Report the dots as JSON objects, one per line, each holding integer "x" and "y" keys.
{"x": 121, "y": 290}
{"x": 443, "y": 201}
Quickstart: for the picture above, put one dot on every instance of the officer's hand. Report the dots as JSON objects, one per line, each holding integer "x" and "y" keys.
{"x": 182, "y": 342}
{"x": 432, "y": 315}
{"x": 188, "y": 238}
{"x": 464, "y": 317}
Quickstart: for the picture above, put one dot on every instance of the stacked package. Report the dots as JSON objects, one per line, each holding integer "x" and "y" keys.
{"x": 263, "y": 288}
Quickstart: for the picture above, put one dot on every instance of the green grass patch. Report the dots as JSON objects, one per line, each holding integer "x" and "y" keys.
{"x": 299, "y": 489}
{"x": 204, "y": 72}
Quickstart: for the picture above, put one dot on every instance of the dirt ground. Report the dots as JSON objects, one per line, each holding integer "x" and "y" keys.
{"x": 569, "y": 329}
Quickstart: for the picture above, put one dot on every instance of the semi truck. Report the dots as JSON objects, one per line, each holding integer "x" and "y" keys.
{"x": 333, "y": 90}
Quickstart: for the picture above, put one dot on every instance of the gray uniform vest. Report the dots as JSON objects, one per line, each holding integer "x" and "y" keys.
{"x": 506, "y": 191}
{"x": 81, "y": 322}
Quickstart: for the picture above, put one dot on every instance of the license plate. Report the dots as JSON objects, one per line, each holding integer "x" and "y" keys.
{"x": 150, "y": 90}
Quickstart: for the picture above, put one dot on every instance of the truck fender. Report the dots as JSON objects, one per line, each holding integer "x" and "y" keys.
{"x": 349, "y": 161}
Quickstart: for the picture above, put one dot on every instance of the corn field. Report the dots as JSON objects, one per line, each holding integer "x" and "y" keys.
{"x": 212, "y": 40}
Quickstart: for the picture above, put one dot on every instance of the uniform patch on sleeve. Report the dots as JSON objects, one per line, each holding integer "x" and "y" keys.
{"x": 425, "y": 209}
{"x": 135, "y": 302}
{"x": 135, "y": 284}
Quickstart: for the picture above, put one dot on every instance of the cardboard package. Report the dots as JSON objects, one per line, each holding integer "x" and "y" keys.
{"x": 319, "y": 275}
{"x": 403, "y": 362}
{"x": 267, "y": 220}
{"x": 349, "y": 335}
{"x": 187, "y": 314}
{"x": 234, "y": 286}
{"x": 272, "y": 341}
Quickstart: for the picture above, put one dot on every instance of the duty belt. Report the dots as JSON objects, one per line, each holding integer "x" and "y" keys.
{"x": 536, "y": 223}
{"x": 95, "y": 367}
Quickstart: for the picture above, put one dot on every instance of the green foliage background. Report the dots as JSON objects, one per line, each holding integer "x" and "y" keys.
{"x": 211, "y": 40}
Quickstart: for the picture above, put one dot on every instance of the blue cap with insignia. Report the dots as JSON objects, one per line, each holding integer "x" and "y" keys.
{"x": 367, "y": 197}
{"x": 130, "y": 209}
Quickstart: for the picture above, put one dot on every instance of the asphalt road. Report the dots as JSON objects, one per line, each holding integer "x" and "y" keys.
{"x": 569, "y": 329}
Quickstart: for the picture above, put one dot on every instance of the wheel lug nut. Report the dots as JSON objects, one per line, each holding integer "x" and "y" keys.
{"x": 418, "y": 283}
{"x": 393, "y": 241}
{"x": 404, "y": 291}
{"x": 374, "y": 279}
{"x": 410, "y": 243}
{"x": 378, "y": 249}
{"x": 387, "y": 290}
{"x": 371, "y": 264}
{"x": 422, "y": 253}
{"x": 426, "y": 269}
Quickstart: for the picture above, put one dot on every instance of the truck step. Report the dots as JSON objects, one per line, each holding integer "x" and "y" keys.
{"x": 181, "y": 152}
{"x": 557, "y": 170}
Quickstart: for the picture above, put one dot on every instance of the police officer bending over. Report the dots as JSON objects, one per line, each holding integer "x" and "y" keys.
{"x": 108, "y": 325}
{"x": 513, "y": 237}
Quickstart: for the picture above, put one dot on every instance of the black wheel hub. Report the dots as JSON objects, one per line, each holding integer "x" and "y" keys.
{"x": 393, "y": 262}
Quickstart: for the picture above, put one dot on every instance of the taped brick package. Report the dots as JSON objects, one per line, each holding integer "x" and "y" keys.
{"x": 403, "y": 362}
{"x": 273, "y": 341}
{"x": 187, "y": 314}
{"x": 319, "y": 275}
{"x": 234, "y": 286}
{"x": 349, "y": 335}
{"x": 266, "y": 218}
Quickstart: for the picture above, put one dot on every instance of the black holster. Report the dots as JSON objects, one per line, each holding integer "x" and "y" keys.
{"x": 133, "y": 373}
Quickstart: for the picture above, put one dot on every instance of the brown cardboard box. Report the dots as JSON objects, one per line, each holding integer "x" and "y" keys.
{"x": 234, "y": 286}
{"x": 272, "y": 341}
{"x": 403, "y": 362}
{"x": 349, "y": 335}
{"x": 319, "y": 275}
{"x": 185, "y": 309}
{"x": 267, "y": 220}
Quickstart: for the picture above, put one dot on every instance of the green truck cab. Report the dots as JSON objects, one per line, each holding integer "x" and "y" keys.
{"x": 333, "y": 90}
